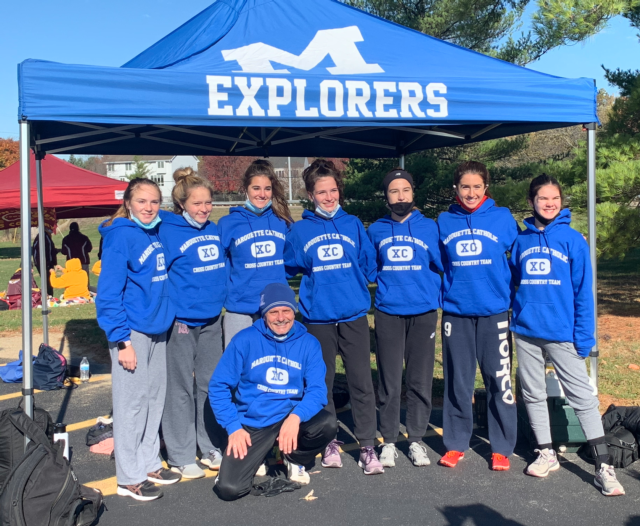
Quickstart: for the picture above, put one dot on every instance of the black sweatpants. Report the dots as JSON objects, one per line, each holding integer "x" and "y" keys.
{"x": 487, "y": 340}
{"x": 409, "y": 340}
{"x": 236, "y": 475}
{"x": 351, "y": 340}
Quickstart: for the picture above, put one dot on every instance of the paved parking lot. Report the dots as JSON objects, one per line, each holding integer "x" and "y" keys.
{"x": 470, "y": 494}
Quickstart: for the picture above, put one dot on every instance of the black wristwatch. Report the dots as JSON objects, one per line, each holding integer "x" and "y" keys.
{"x": 123, "y": 345}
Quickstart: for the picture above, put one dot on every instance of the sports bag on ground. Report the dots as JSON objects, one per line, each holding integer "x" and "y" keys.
{"x": 49, "y": 369}
{"x": 623, "y": 447}
{"x": 42, "y": 490}
{"x": 12, "y": 439}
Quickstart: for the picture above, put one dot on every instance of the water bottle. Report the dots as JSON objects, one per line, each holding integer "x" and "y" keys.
{"x": 84, "y": 370}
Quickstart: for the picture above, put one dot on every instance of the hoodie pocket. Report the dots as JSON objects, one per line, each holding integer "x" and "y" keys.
{"x": 475, "y": 297}
{"x": 541, "y": 319}
{"x": 402, "y": 296}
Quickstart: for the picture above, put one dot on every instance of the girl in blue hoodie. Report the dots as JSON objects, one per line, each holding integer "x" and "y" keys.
{"x": 197, "y": 286}
{"x": 135, "y": 312}
{"x": 475, "y": 236}
{"x": 252, "y": 237}
{"x": 406, "y": 316}
{"x": 332, "y": 251}
{"x": 553, "y": 318}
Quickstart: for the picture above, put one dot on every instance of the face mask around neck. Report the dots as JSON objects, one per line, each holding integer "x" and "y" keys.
{"x": 401, "y": 209}
{"x": 253, "y": 208}
{"x": 147, "y": 226}
{"x": 327, "y": 215}
{"x": 543, "y": 220}
{"x": 192, "y": 221}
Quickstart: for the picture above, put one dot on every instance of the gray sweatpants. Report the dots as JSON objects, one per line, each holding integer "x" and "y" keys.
{"x": 188, "y": 421}
{"x": 234, "y": 322}
{"x": 138, "y": 400}
{"x": 572, "y": 373}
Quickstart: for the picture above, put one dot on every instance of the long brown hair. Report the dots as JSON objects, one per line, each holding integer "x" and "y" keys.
{"x": 123, "y": 211}
{"x": 323, "y": 168}
{"x": 186, "y": 180}
{"x": 278, "y": 201}
{"x": 472, "y": 167}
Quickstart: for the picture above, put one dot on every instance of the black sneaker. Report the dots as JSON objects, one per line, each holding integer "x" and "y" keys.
{"x": 164, "y": 476}
{"x": 143, "y": 491}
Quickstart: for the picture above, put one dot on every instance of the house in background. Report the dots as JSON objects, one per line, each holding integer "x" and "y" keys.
{"x": 161, "y": 168}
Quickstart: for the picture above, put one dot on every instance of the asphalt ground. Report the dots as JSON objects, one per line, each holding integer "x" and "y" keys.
{"x": 471, "y": 494}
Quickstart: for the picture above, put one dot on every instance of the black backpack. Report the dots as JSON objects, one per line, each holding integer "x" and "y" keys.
{"x": 12, "y": 439}
{"x": 42, "y": 490}
{"x": 49, "y": 369}
{"x": 623, "y": 447}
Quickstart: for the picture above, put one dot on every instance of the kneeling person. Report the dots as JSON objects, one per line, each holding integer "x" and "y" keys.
{"x": 276, "y": 373}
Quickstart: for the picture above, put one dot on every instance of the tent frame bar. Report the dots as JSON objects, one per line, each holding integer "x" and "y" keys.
{"x": 591, "y": 220}
{"x": 44, "y": 273}
{"x": 484, "y": 130}
{"x": 88, "y": 134}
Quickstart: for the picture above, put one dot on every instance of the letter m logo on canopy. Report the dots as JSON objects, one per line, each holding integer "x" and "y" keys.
{"x": 339, "y": 44}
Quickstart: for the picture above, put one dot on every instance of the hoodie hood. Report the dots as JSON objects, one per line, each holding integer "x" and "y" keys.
{"x": 408, "y": 265}
{"x": 554, "y": 300}
{"x": 197, "y": 268}
{"x": 477, "y": 279}
{"x": 253, "y": 246}
{"x": 73, "y": 265}
{"x": 269, "y": 379}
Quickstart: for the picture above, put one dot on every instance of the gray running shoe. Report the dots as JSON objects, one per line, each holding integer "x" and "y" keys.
{"x": 418, "y": 454}
{"x": 607, "y": 481}
{"x": 190, "y": 471}
{"x": 547, "y": 461}
{"x": 388, "y": 455}
{"x": 143, "y": 491}
{"x": 213, "y": 459}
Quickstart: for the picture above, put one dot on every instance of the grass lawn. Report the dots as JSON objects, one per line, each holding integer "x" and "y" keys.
{"x": 619, "y": 318}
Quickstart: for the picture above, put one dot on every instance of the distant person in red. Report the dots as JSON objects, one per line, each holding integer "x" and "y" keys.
{"x": 50, "y": 252}
{"x": 77, "y": 245}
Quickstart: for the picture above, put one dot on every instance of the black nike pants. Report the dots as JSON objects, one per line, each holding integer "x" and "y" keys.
{"x": 350, "y": 339}
{"x": 404, "y": 340}
{"x": 235, "y": 478}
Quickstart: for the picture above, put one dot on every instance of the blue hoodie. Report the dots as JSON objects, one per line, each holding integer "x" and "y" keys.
{"x": 408, "y": 264}
{"x": 260, "y": 380}
{"x": 555, "y": 300}
{"x": 336, "y": 259}
{"x": 133, "y": 290}
{"x": 474, "y": 246}
{"x": 196, "y": 266}
{"x": 253, "y": 246}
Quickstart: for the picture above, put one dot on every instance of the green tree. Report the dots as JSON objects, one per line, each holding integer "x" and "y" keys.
{"x": 141, "y": 169}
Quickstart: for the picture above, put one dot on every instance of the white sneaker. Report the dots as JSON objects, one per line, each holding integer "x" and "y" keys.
{"x": 262, "y": 470}
{"x": 297, "y": 473}
{"x": 418, "y": 454}
{"x": 190, "y": 471}
{"x": 388, "y": 455}
{"x": 607, "y": 481}
{"x": 546, "y": 462}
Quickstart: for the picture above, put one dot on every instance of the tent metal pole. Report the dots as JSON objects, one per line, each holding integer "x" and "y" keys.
{"x": 44, "y": 275}
{"x": 290, "y": 192}
{"x": 591, "y": 215}
{"x": 401, "y": 160}
{"x": 25, "y": 235}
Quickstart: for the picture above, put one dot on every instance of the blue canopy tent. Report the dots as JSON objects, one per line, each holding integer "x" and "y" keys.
{"x": 283, "y": 78}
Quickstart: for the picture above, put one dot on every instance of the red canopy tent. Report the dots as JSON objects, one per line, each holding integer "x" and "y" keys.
{"x": 73, "y": 191}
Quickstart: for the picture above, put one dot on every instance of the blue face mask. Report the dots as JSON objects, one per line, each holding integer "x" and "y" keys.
{"x": 250, "y": 206}
{"x": 148, "y": 226}
{"x": 327, "y": 215}
{"x": 192, "y": 221}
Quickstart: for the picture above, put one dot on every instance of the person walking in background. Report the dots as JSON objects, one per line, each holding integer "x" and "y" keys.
{"x": 77, "y": 245}
{"x": 197, "y": 287}
{"x": 332, "y": 251}
{"x": 553, "y": 317}
{"x": 252, "y": 237}
{"x": 270, "y": 386}
{"x": 477, "y": 289}
{"x": 51, "y": 256}
{"x": 406, "y": 315}
{"x": 134, "y": 310}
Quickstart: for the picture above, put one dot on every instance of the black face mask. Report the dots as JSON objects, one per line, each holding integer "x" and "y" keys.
{"x": 401, "y": 209}
{"x": 543, "y": 220}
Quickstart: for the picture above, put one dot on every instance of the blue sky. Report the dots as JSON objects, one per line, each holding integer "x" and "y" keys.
{"x": 111, "y": 33}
